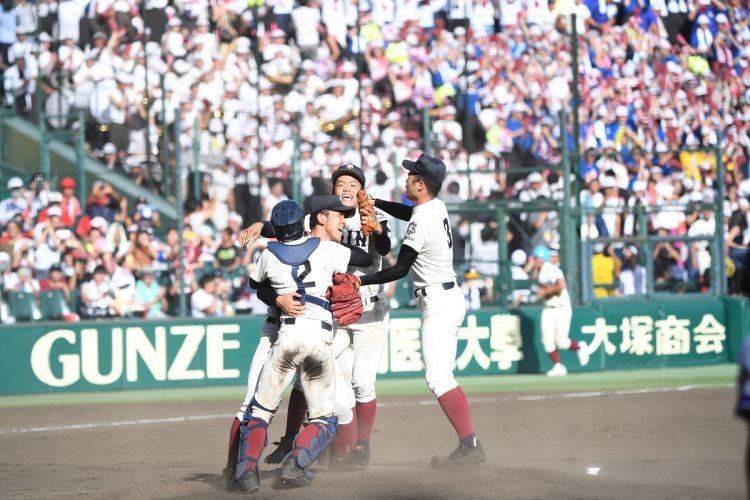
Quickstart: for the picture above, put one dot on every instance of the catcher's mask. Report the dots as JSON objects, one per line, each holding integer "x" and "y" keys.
{"x": 288, "y": 221}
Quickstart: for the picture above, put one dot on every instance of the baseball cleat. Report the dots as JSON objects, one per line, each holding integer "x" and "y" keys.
{"x": 558, "y": 370}
{"x": 583, "y": 353}
{"x": 359, "y": 456}
{"x": 461, "y": 457}
{"x": 250, "y": 481}
{"x": 284, "y": 447}
{"x": 293, "y": 475}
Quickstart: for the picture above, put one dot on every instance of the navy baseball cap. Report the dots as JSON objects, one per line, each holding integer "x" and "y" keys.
{"x": 330, "y": 202}
{"x": 349, "y": 169}
{"x": 426, "y": 166}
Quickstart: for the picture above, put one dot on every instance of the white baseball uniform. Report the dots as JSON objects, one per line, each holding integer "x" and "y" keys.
{"x": 439, "y": 297}
{"x": 557, "y": 311}
{"x": 367, "y": 337}
{"x": 303, "y": 342}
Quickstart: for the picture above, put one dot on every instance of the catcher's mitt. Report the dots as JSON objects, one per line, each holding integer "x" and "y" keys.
{"x": 366, "y": 212}
{"x": 346, "y": 303}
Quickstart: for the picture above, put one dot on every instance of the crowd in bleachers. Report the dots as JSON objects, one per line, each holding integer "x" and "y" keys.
{"x": 663, "y": 84}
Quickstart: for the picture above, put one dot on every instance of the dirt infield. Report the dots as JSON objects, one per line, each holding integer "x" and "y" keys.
{"x": 675, "y": 445}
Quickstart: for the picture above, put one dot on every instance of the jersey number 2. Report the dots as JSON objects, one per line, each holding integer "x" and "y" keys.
{"x": 447, "y": 227}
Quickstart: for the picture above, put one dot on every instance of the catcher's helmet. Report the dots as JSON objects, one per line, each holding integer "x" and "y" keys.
{"x": 288, "y": 220}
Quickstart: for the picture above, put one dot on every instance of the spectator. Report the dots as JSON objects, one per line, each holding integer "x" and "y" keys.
{"x": 150, "y": 296}
{"x": 605, "y": 270}
{"x": 14, "y": 205}
{"x": 22, "y": 281}
{"x": 97, "y": 297}
{"x": 56, "y": 281}
{"x": 738, "y": 236}
{"x": 71, "y": 207}
{"x": 632, "y": 279}
{"x": 668, "y": 262}
{"x": 209, "y": 300}
{"x": 226, "y": 253}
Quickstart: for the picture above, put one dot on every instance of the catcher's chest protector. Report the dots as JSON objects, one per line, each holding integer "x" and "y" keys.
{"x": 296, "y": 256}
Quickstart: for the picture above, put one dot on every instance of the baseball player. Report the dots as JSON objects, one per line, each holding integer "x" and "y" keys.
{"x": 427, "y": 251}
{"x": 557, "y": 311}
{"x": 358, "y": 347}
{"x": 301, "y": 266}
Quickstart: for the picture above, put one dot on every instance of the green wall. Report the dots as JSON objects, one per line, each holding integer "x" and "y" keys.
{"x": 106, "y": 355}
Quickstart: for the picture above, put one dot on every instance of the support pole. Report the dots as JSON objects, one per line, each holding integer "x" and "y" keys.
{"x": 196, "y": 159}
{"x": 180, "y": 215}
{"x": 568, "y": 240}
{"x": 165, "y": 141}
{"x": 721, "y": 277}
{"x": 576, "y": 158}
{"x": 81, "y": 156}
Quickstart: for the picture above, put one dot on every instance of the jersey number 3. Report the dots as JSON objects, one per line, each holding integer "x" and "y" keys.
{"x": 447, "y": 227}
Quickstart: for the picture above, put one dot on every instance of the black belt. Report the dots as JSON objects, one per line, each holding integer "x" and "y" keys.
{"x": 272, "y": 320}
{"x": 422, "y": 292}
{"x": 290, "y": 321}
{"x": 373, "y": 299}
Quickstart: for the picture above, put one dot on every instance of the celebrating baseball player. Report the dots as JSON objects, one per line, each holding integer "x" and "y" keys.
{"x": 557, "y": 311}
{"x": 427, "y": 251}
{"x": 367, "y": 337}
{"x": 303, "y": 265}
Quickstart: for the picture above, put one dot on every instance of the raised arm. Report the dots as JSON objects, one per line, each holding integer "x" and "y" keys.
{"x": 397, "y": 210}
{"x": 406, "y": 257}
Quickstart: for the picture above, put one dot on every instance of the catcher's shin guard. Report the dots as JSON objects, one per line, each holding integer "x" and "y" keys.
{"x": 253, "y": 437}
{"x": 313, "y": 440}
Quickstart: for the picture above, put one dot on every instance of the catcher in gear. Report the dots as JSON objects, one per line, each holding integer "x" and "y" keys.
{"x": 359, "y": 345}
{"x": 304, "y": 342}
{"x": 282, "y": 305}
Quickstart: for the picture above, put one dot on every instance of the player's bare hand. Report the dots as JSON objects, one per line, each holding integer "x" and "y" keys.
{"x": 250, "y": 234}
{"x": 290, "y": 304}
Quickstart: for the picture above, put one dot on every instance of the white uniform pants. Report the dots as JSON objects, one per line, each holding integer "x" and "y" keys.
{"x": 367, "y": 338}
{"x": 269, "y": 332}
{"x": 556, "y": 328}
{"x": 307, "y": 347}
{"x": 443, "y": 312}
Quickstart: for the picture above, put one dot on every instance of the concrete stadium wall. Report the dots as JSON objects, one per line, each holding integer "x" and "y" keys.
{"x": 108, "y": 355}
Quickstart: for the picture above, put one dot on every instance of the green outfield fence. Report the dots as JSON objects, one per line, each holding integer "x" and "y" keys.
{"x": 108, "y": 355}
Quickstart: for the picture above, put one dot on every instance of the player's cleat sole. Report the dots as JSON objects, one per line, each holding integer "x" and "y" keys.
{"x": 463, "y": 456}
{"x": 284, "y": 447}
{"x": 359, "y": 457}
{"x": 583, "y": 353}
{"x": 293, "y": 476}
{"x": 249, "y": 482}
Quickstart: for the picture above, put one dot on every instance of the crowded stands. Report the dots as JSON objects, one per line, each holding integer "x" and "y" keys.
{"x": 664, "y": 84}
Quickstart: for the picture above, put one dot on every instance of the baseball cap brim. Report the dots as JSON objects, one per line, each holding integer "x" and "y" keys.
{"x": 409, "y": 165}
{"x": 331, "y": 202}
{"x": 347, "y": 211}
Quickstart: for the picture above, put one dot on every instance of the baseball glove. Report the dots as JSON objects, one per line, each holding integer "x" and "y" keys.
{"x": 366, "y": 212}
{"x": 346, "y": 303}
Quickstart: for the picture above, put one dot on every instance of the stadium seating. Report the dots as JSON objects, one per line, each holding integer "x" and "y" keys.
{"x": 53, "y": 305}
{"x": 23, "y": 306}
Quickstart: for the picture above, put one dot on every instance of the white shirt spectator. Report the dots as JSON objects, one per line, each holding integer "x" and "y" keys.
{"x": 200, "y": 301}
{"x": 306, "y": 21}
{"x": 98, "y": 294}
